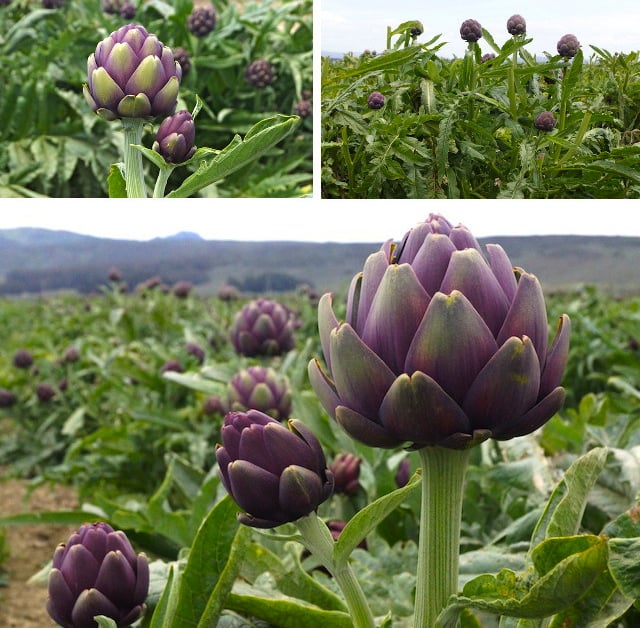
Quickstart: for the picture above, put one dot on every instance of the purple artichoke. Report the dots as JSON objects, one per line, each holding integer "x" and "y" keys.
{"x": 259, "y": 73}
{"x": 470, "y": 30}
{"x": 303, "y": 109}
{"x": 263, "y": 327}
{"x": 375, "y": 100}
{"x": 276, "y": 474}
{"x": 488, "y": 56}
{"x": 202, "y": 20}
{"x": 7, "y": 398}
{"x": 516, "y": 25}
{"x": 128, "y": 11}
{"x": 132, "y": 75}
{"x": 260, "y": 388}
{"x": 183, "y": 58}
{"x": 22, "y": 359}
{"x": 568, "y": 46}
{"x": 545, "y": 121}
{"x": 175, "y": 138}
{"x": 45, "y": 392}
{"x": 440, "y": 346}
{"x": 346, "y": 473}
{"x": 97, "y": 572}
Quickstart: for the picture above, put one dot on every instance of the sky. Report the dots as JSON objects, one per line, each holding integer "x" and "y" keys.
{"x": 317, "y": 220}
{"x": 359, "y": 25}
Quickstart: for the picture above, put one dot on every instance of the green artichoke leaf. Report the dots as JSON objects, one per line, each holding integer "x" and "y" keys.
{"x": 258, "y": 140}
{"x": 116, "y": 182}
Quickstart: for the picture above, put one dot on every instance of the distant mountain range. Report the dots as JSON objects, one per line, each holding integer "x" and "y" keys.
{"x": 35, "y": 260}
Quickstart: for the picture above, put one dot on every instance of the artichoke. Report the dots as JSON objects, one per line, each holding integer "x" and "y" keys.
{"x": 303, "y": 109}
{"x": 516, "y": 25}
{"x": 262, "y": 327}
{"x": 183, "y": 58}
{"x": 97, "y": 572}
{"x": 545, "y": 121}
{"x": 470, "y": 30}
{"x": 132, "y": 75}
{"x": 7, "y": 398}
{"x": 176, "y": 137}
{"x": 277, "y": 474}
{"x": 202, "y": 20}
{"x": 22, "y": 359}
{"x": 259, "y": 73}
{"x": 375, "y": 100}
{"x": 440, "y": 346}
{"x": 346, "y": 473}
{"x": 260, "y": 388}
{"x": 568, "y": 46}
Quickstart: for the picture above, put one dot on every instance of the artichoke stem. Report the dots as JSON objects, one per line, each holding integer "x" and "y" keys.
{"x": 319, "y": 542}
{"x": 133, "y": 171}
{"x": 443, "y": 472}
{"x": 161, "y": 181}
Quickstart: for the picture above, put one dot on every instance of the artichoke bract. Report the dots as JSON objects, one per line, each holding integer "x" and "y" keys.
{"x": 441, "y": 346}
{"x": 97, "y": 572}
{"x": 274, "y": 473}
{"x": 260, "y": 388}
{"x": 132, "y": 75}
{"x": 176, "y": 138}
{"x": 262, "y": 327}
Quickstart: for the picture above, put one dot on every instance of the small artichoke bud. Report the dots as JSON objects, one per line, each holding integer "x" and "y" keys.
{"x": 568, "y": 46}
{"x": 516, "y": 25}
{"x": 52, "y": 4}
{"x": 194, "y": 349}
{"x": 303, "y": 109}
{"x": 228, "y": 293}
{"x": 183, "y": 58}
{"x": 97, "y": 572}
{"x": 275, "y": 473}
{"x": 402, "y": 474}
{"x": 214, "y": 405}
{"x": 114, "y": 274}
{"x": 22, "y": 359}
{"x": 111, "y": 7}
{"x": 346, "y": 473}
{"x": 262, "y": 327}
{"x": 70, "y": 355}
{"x": 132, "y": 74}
{"x": 545, "y": 121}
{"x": 128, "y": 11}
{"x": 171, "y": 365}
{"x": 45, "y": 392}
{"x": 416, "y": 31}
{"x": 487, "y": 57}
{"x": 202, "y": 20}
{"x": 175, "y": 138}
{"x": 470, "y": 30}
{"x": 7, "y": 398}
{"x": 260, "y": 388}
{"x": 375, "y": 100}
{"x": 181, "y": 289}
{"x": 259, "y": 73}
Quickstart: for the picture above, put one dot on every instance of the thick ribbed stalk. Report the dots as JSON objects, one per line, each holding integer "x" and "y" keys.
{"x": 161, "y": 182}
{"x": 443, "y": 472}
{"x": 319, "y": 542}
{"x": 133, "y": 171}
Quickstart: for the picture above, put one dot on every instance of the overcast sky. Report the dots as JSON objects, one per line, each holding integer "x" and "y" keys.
{"x": 358, "y": 25}
{"x": 318, "y": 220}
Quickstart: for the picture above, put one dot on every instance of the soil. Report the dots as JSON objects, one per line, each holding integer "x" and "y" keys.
{"x": 30, "y": 547}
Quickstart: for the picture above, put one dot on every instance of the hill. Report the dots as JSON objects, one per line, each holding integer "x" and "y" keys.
{"x": 35, "y": 260}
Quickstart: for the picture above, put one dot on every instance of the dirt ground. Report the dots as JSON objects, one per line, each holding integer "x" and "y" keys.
{"x": 22, "y": 605}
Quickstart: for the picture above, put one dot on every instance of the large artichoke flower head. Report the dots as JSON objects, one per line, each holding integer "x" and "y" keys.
{"x": 441, "y": 345}
{"x": 132, "y": 74}
{"x": 97, "y": 572}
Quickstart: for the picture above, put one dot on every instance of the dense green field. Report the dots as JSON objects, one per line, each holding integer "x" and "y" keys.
{"x": 467, "y": 127}
{"x": 138, "y": 442}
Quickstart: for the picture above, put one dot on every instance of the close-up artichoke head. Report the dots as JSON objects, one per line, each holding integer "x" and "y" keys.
{"x": 440, "y": 345}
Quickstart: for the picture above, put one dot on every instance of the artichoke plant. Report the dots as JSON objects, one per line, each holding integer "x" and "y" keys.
{"x": 440, "y": 346}
{"x": 277, "y": 474}
{"x": 471, "y": 30}
{"x": 375, "y": 100}
{"x": 97, "y": 572}
{"x": 568, "y": 46}
{"x": 516, "y": 25}
{"x": 260, "y": 388}
{"x": 176, "y": 138}
{"x": 132, "y": 74}
{"x": 202, "y": 20}
{"x": 262, "y": 327}
{"x": 259, "y": 73}
{"x": 545, "y": 121}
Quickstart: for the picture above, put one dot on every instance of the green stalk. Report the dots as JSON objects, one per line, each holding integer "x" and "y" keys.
{"x": 161, "y": 181}
{"x": 319, "y": 542}
{"x": 443, "y": 472}
{"x": 133, "y": 171}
